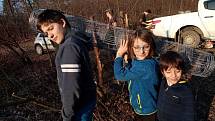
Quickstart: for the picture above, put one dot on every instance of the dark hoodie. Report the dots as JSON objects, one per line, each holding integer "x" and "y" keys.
{"x": 75, "y": 78}
{"x": 176, "y": 102}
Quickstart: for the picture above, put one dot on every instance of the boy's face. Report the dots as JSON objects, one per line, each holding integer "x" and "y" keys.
{"x": 54, "y": 31}
{"x": 172, "y": 75}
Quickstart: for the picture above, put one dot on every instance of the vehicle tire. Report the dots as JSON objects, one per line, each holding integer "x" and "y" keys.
{"x": 190, "y": 37}
{"x": 39, "y": 49}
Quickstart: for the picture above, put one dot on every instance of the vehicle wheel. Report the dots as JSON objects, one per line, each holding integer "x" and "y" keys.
{"x": 39, "y": 49}
{"x": 190, "y": 37}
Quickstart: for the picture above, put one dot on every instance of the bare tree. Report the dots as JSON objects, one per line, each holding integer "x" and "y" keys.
{"x": 14, "y": 29}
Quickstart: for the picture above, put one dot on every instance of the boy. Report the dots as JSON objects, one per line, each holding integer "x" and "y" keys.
{"x": 175, "y": 100}
{"x": 75, "y": 79}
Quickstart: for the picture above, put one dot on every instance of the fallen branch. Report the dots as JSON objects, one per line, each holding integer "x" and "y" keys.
{"x": 35, "y": 102}
{"x": 111, "y": 115}
{"x": 13, "y": 82}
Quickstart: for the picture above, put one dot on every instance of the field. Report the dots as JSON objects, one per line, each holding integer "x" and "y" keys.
{"x": 29, "y": 92}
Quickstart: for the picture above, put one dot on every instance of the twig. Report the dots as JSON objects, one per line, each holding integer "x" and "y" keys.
{"x": 95, "y": 117}
{"x": 35, "y": 102}
{"x": 14, "y": 83}
{"x": 111, "y": 115}
{"x": 14, "y": 103}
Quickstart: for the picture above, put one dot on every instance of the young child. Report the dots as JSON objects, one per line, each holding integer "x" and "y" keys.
{"x": 75, "y": 79}
{"x": 175, "y": 101}
{"x": 111, "y": 19}
{"x": 145, "y": 20}
{"x": 142, "y": 73}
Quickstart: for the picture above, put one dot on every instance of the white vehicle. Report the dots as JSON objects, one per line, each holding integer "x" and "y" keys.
{"x": 40, "y": 46}
{"x": 189, "y": 28}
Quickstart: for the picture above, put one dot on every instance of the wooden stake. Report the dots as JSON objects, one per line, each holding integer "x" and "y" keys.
{"x": 96, "y": 51}
{"x": 126, "y": 56}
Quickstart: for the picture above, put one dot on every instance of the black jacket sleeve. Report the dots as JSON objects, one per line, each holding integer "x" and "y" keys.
{"x": 70, "y": 65}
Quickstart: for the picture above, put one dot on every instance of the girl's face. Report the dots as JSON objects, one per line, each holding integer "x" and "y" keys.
{"x": 55, "y": 31}
{"x": 141, "y": 49}
{"x": 172, "y": 75}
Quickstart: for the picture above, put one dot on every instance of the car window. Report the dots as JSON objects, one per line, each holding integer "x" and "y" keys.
{"x": 210, "y": 5}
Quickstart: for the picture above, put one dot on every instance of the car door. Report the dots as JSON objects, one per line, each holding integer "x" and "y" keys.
{"x": 208, "y": 17}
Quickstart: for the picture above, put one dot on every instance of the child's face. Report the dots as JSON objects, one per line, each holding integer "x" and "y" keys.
{"x": 141, "y": 49}
{"x": 108, "y": 14}
{"x": 172, "y": 75}
{"x": 55, "y": 31}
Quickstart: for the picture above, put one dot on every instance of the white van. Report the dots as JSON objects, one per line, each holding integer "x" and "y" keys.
{"x": 39, "y": 44}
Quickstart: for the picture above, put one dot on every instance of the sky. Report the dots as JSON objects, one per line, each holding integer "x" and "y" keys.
{"x": 1, "y": 6}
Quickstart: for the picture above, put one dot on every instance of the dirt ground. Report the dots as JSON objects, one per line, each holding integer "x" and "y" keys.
{"x": 29, "y": 92}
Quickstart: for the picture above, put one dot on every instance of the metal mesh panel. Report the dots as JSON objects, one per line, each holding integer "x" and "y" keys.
{"x": 203, "y": 63}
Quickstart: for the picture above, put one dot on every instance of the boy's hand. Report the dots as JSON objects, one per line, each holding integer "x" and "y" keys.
{"x": 123, "y": 48}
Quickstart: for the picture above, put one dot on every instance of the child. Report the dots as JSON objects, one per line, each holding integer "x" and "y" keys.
{"x": 75, "y": 78}
{"x": 144, "y": 20}
{"x": 111, "y": 19}
{"x": 142, "y": 73}
{"x": 175, "y": 101}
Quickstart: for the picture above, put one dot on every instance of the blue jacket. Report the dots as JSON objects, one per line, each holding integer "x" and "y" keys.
{"x": 176, "y": 102}
{"x": 74, "y": 73}
{"x": 143, "y": 78}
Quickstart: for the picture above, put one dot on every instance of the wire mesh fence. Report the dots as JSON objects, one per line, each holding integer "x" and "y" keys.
{"x": 202, "y": 63}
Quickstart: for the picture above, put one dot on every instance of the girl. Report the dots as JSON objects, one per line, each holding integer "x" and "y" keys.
{"x": 175, "y": 101}
{"x": 142, "y": 73}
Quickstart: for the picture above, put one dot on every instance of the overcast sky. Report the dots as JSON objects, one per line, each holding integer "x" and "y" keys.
{"x": 1, "y": 6}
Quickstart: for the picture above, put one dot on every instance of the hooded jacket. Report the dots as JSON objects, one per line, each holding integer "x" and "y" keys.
{"x": 176, "y": 102}
{"x": 74, "y": 73}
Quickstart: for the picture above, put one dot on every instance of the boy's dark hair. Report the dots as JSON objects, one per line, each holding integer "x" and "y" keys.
{"x": 148, "y": 11}
{"x": 109, "y": 10}
{"x": 145, "y": 36}
{"x": 172, "y": 59}
{"x": 51, "y": 16}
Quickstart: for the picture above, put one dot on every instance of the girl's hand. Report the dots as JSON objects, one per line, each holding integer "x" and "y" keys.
{"x": 123, "y": 48}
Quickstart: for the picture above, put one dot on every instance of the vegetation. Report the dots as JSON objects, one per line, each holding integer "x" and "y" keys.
{"x": 30, "y": 92}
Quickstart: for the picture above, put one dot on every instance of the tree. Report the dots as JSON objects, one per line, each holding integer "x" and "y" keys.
{"x": 14, "y": 29}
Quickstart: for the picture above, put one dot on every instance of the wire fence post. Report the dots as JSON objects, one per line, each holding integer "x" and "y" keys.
{"x": 126, "y": 56}
{"x": 96, "y": 51}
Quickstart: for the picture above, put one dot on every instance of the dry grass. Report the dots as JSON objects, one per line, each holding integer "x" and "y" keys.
{"x": 36, "y": 95}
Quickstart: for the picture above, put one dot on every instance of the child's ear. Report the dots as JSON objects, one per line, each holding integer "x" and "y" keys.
{"x": 162, "y": 72}
{"x": 63, "y": 23}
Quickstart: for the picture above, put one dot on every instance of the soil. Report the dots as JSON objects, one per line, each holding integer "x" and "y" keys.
{"x": 29, "y": 92}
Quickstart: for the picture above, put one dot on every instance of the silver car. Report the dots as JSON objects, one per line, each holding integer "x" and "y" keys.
{"x": 39, "y": 44}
